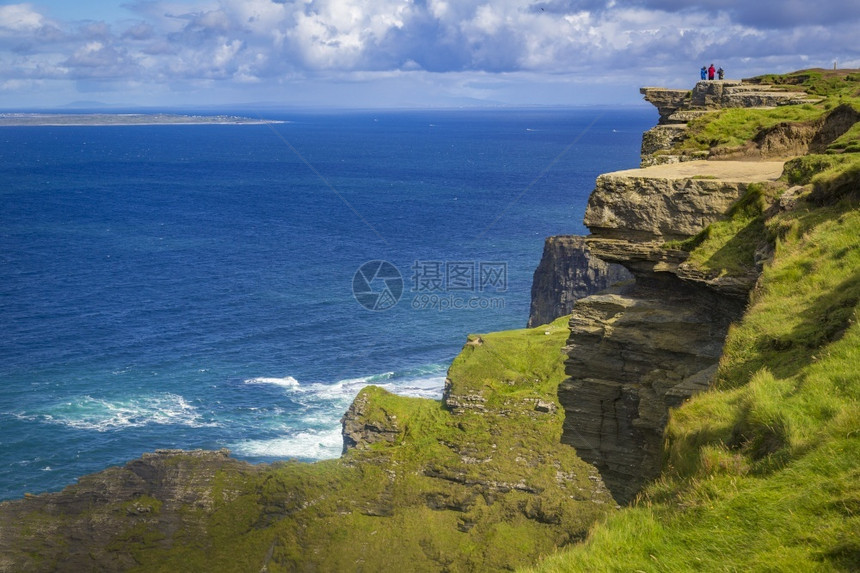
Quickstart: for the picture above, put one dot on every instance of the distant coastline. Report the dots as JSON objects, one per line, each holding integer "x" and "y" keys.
{"x": 83, "y": 119}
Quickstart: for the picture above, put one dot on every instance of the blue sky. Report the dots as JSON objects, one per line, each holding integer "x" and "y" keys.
{"x": 401, "y": 53}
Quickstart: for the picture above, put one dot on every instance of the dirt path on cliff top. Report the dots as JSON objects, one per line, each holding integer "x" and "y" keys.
{"x": 733, "y": 171}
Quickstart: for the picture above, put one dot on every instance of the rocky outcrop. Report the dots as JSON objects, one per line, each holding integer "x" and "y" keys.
{"x": 162, "y": 495}
{"x": 636, "y": 353}
{"x": 659, "y": 139}
{"x": 667, "y": 101}
{"x": 667, "y": 202}
{"x": 567, "y": 272}
{"x": 678, "y": 107}
{"x": 365, "y": 424}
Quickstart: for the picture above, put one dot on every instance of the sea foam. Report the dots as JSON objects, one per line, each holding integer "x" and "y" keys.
{"x": 287, "y": 381}
{"x": 308, "y": 445}
{"x": 313, "y": 432}
{"x": 88, "y": 413}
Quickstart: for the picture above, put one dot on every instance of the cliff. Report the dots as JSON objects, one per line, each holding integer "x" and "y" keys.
{"x": 757, "y": 453}
{"x": 477, "y": 482}
{"x": 728, "y": 368}
{"x": 568, "y": 272}
{"x": 633, "y": 355}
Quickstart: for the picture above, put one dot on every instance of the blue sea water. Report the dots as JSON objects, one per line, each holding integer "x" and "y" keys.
{"x": 192, "y": 286}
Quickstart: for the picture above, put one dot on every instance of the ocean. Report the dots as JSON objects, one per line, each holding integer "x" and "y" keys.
{"x": 234, "y": 286}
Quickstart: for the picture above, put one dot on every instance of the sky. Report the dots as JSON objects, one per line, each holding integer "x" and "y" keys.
{"x": 401, "y": 53}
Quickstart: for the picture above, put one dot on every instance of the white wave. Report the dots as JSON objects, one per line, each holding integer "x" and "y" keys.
{"x": 428, "y": 387}
{"x": 287, "y": 381}
{"x": 315, "y": 431}
{"x": 309, "y": 444}
{"x": 90, "y": 413}
{"x": 417, "y": 385}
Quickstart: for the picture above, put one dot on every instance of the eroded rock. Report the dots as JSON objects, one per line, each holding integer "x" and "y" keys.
{"x": 567, "y": 272}
{"x": 670, "y": 201}
{"x": 630, "y": 358}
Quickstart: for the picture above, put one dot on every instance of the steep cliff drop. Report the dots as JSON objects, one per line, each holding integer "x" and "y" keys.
{"x": 637, "y": 352}
{"x": 568, "y": 272}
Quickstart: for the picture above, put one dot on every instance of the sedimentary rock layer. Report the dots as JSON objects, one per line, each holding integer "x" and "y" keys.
{"x": 567, "y": 272}
{"x": 636, "y": 353}
{"x": 631, "y": 357}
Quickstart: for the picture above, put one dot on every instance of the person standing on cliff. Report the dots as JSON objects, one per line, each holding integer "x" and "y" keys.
{"x": 704, "y": 73}
{"x": 711, "y": 72}
{"x": 721, "y": 73}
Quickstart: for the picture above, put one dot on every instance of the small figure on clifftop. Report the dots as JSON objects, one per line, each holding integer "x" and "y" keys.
{"x": 711, "y": 72}
{"x": 721, "y": 73}
{"x": 704, "y": 73}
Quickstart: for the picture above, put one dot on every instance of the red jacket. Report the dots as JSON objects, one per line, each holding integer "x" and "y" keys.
{"x": 711, "y": 71}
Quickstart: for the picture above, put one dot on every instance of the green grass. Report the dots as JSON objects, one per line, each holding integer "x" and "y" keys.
{"x": 733, "y": 128}
{"x": 473, "y": 491}
{"x": 763, "y": 472}
{"x": 821, "y": 82}
{"x": 848, "y": 142}
{"x": 728, "y": 247}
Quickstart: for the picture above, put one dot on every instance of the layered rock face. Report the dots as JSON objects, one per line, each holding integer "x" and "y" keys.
{"x": 567, "y": 272}
{"x": 634, "y": 354}
{"x": 678, "y": 107}
{"x": 85, "y": 527}
{"x": 736, "y": 93}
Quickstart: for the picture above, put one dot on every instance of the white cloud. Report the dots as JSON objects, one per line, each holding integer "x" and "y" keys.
{"x": 20, "y": 18}
{"x": 267, "y": 44}
{"x": 225, "y": 53}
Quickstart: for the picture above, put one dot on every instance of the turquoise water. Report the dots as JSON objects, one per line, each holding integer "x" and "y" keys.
{"x": 192, "y": 286}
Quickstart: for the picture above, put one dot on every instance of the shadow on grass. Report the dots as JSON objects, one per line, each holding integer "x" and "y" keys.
{"x": 823, "y": 322}
{"x": 737, "y": 256}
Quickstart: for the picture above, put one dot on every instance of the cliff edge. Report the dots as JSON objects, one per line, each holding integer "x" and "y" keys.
{"x": 746, "y": 284}
{"x": 636, "y": 354}
{"x": 758, "y": 467}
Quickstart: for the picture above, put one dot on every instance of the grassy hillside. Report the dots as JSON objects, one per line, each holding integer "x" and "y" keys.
{"x": 485, "y": 488}
{"x": 763, "y": 471}
{"x": 730, "y": 129}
